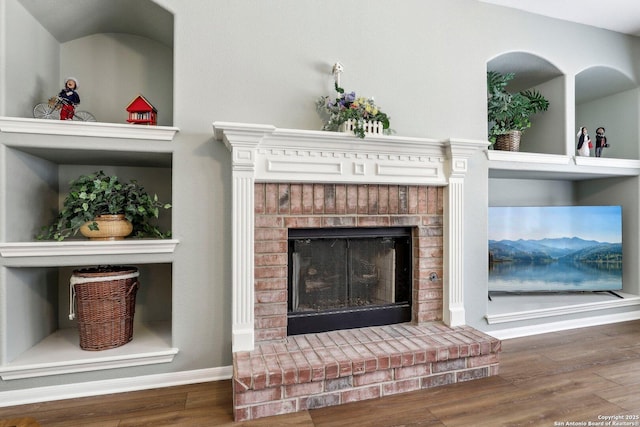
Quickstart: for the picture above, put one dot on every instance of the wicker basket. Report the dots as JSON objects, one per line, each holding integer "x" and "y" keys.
{"x": 508, "y": 142}
{"x": 106, "y": 302}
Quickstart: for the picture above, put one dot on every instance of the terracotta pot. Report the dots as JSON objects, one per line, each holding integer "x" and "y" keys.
{"x": 110, "y": 227}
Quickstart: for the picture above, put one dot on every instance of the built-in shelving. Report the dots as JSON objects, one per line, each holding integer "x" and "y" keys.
{"x": 519, "y": 165}
{"x": 36, "y": 156}
{"x": 519, "y": 309}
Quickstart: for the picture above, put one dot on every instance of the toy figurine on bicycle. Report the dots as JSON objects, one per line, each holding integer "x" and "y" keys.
{"x": 70, "y": 98}
{"x": 63, "y": 106}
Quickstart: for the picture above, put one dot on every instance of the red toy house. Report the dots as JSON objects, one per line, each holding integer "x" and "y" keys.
{"x": 141, "y": 112}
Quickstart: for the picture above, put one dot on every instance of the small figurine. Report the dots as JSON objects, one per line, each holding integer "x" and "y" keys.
{"x": 141, "y": 112}
{"x": 70, "y": 98}
{"x": 601, "y": 141}
{"x": 584, "y": 142}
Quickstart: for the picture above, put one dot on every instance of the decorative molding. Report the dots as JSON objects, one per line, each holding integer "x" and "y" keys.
{"x": 523, "y": 157}
{"x": 242, "y": 274}
{"x": 544, "y": 328}
{"x": 276, "y": 154}
{"x": 119, "y": 385}
{"x": 73, "y": 366}
{"x": 86, "y": 129}
{"x": 263, "y": 153}
{"x": 87, "y": 247}
{"x": 459, "y": 151}
{"x": 560, "y": 311}
{"x": 509, "y": 164}
{"x": 453, "y": 244}
{"x": 607, "y": 162}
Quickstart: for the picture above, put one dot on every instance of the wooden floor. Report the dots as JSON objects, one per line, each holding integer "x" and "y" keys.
{"x": 554, "y": 379}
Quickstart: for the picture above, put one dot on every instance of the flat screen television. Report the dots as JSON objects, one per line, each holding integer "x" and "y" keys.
{"x": 555, "y": 248}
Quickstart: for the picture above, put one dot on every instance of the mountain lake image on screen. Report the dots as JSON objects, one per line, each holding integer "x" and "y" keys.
{"x": 555, "y": 248}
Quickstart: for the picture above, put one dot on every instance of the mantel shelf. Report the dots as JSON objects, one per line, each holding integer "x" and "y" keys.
{"x": 87, "y": 247}
{"x": 519, "y": 165}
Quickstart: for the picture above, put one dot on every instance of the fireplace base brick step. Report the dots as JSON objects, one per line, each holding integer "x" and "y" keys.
{"x": 331, "y": 368}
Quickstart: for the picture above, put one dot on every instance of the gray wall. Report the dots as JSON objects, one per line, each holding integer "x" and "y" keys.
{"x": 266, "y": 62}
{"x": 618, "y": 114}
{"x": 31, "y": 62}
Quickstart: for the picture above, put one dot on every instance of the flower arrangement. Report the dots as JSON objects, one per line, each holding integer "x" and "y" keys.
{"x": 348, "y": 106}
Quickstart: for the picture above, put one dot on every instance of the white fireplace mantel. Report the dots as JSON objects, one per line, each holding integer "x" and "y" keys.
{"x": 264, "y": 153}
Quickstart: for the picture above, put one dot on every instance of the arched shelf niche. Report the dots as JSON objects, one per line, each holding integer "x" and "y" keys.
{"x": 607, "y": 97}
{"x": 547, "y": 131}
{"x": 117, "y": 49}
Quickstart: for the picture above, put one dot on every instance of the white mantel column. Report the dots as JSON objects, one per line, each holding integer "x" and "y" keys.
{"x": 453, "y": 242}
{"x": 243, "y": 145}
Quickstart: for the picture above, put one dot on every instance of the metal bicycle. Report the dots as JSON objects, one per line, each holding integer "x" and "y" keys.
{"x": 51, "y": 110}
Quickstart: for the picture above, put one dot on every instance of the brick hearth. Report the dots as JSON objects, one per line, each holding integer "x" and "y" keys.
{"x": 319, "y": 370}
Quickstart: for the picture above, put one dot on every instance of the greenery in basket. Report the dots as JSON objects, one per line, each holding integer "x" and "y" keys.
{"x": 100, "y": 194}
{"x": 347, "y": 106}
{"x": 510, "y": 111}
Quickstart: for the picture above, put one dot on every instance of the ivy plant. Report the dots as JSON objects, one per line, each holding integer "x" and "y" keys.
{"x": 99, "y": 194}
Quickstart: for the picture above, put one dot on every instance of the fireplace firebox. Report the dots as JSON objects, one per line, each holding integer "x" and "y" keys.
{"x": 343, "y": 278}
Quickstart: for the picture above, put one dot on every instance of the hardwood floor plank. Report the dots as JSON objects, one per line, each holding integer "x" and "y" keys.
{"x": 398, "y": 410}
{"x": 626, "y": 397}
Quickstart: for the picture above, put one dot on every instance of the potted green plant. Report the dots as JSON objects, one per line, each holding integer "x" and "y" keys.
{"x": 92, "y": 202}
{"x": 510, "y": 114}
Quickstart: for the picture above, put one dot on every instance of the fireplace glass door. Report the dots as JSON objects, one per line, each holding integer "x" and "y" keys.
{"x": 345, "y": 278}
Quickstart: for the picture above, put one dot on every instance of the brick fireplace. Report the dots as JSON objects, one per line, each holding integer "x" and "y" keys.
{"x": 289, "y": 179}
{"x": 281, "y": 206}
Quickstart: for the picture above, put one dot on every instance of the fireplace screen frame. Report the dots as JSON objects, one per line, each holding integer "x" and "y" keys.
{"x": 398, "y": 311}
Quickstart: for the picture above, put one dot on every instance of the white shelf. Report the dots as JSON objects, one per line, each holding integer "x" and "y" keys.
{"x": 87, "y": 247}
{"x": 506, "y": 308}
{"x": 68, "y": 142}
{"x": 60, "y": 353}
{"x": 519, "y": 165}
{"x": 86, "y": 129}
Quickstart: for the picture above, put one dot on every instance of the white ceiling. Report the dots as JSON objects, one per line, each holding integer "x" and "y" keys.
{"x": 622, "y": 16}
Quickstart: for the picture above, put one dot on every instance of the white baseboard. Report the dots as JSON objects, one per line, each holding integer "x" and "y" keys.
{"x": 525, "y": 331}
{"x": 119, "y": 385}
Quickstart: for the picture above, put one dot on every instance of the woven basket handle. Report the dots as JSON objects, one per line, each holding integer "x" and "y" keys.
{"x": 133, "y": 286}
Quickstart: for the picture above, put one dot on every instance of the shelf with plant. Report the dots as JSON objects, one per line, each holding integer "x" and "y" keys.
{"x": 348, "y": 106}
{"x": 509, "y": 114}
{"x": 98, "y": 194}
